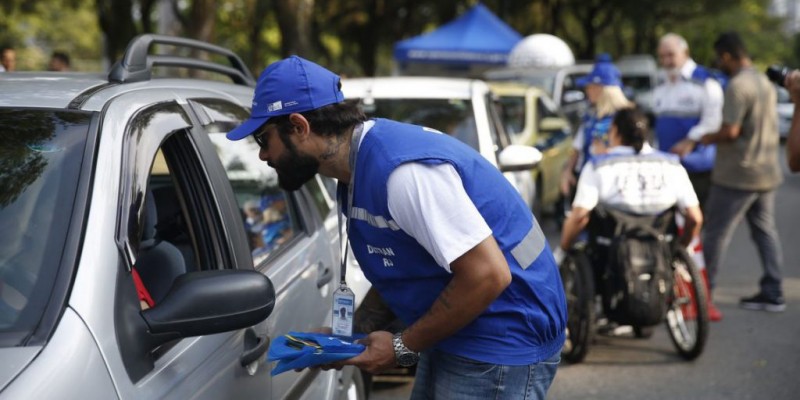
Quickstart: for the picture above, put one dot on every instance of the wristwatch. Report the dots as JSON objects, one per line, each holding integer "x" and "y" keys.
{"x": 404, "y": 356}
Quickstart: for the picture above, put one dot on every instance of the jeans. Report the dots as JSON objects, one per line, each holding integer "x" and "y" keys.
{"x": 724, "y": 211}
{"x": 443, "y": 376}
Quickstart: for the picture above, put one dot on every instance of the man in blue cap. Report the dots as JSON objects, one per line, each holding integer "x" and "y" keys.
{"x": 439, "y": 232}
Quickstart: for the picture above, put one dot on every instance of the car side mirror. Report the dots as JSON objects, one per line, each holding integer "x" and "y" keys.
{"x": 573, "y": 96}
{"x": 207, "y": 302}
{"x": 517, "y": 157}
{"x": 553, "y": 124}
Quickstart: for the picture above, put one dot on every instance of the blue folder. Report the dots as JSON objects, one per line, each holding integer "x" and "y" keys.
{"x": 304, "y": 349}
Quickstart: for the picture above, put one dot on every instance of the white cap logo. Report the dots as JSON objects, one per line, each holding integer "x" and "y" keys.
{"x": 276, "y": 106}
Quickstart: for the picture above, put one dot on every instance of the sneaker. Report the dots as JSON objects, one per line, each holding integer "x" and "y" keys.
{"x": 761, "y": 302}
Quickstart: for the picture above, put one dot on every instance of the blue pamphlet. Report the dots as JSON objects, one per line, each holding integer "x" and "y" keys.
{"x": 304, "y": 349}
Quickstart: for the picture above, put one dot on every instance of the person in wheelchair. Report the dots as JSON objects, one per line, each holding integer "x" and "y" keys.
{"x": 633, "y": 178}
{"x": 628, "y": 198}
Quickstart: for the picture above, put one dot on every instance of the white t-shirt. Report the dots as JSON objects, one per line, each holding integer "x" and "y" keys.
{"x": 634, "y": 186}
{"x": 430, "y": 204}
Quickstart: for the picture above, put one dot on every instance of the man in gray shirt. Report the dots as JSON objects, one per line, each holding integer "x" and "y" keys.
{"x": 746, "y": 172}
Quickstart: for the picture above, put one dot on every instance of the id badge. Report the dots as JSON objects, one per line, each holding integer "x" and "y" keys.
{"x": 343, "y": 307}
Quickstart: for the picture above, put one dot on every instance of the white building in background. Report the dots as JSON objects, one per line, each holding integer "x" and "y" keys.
{"x": 789, "y": 9}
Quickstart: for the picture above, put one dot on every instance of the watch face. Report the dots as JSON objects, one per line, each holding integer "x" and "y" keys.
{"x": 407, "y": 359}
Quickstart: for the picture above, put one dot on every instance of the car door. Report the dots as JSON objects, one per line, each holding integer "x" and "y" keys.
{"x": 287, "y": 240}
{"x": 168, "y": 223}
{"x": 522, "y": 180}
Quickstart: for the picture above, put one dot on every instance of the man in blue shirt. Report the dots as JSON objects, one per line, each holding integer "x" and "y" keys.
{"x": 439, "y": 232}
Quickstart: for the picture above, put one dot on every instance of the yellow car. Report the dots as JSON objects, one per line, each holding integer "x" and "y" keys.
{"x": 532, "y": 118}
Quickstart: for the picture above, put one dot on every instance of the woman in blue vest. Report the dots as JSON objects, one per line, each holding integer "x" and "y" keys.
{"x": 438, "y": 231}
{"x": 603, "y": 88}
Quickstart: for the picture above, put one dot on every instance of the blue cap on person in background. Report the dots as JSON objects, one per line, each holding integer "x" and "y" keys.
{"x": 603, "y": 73}
{"x": 291, "y": 85}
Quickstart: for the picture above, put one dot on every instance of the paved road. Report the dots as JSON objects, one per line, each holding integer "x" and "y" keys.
{"x": 749, "y": 355}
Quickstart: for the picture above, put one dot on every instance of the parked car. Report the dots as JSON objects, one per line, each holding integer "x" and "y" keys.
{"x": 462, "y": 108}
{"x": 106, "y": 175}
{"x": 559, "y": 83}
{"x": 639, "y": 78}
{"x": 531, "y": 118}
{"x": 785, "y": 111}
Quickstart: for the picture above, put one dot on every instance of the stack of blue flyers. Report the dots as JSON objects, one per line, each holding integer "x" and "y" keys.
{"x": 297, "y": 350}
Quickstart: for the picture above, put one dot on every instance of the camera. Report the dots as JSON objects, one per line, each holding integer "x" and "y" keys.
{"x": 778, "y": 73}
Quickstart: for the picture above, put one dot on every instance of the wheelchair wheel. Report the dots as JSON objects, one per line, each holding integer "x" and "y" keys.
{"x": 687, "y": 311}
{"x": 576, "y": 275}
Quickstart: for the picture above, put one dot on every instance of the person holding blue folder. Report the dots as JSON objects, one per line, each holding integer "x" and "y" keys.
{"x": 438, "y": 231}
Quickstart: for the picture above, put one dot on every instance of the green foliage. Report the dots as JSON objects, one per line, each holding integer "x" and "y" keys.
{"x": 356, "y": 37}
{"x": 37, "y": 28}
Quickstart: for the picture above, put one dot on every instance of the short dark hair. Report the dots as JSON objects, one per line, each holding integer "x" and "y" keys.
{"x": 631, "y": 126}
{"x": 331, "y": 120}
{"x": 62, "y": 56}
{"x": 731, "y": 43}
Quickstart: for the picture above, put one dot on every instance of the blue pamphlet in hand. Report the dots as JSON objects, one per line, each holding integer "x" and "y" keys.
{"x": 302, "y": 350}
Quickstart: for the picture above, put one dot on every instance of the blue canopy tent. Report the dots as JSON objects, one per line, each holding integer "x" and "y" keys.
{"x": 476, "y": 37}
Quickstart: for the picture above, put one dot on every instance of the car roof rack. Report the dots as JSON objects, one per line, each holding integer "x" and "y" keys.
{"x": 137, "y": 64}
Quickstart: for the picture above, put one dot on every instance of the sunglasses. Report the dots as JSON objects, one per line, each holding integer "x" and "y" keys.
{"x": 261, "y": 138}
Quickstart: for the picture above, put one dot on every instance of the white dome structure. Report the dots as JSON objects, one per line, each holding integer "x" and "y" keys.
{"x": 541, "y": 50}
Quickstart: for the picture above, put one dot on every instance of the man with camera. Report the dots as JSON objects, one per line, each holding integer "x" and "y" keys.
{"x": 791, "y": 80}
{"x": 746, "y": 173}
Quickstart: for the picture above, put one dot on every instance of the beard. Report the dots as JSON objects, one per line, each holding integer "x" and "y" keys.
{"x": 295, "y": 169}
{"x": 673, "y": 73}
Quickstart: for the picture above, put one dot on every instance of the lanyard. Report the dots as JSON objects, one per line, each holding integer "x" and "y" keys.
{"x": 354, "y": 143}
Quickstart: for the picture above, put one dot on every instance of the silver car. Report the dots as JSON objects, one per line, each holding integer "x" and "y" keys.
{"x": 142, "y": 255}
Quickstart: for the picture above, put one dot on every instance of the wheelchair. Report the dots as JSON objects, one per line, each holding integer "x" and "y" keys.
{"x": 591, "y": 272}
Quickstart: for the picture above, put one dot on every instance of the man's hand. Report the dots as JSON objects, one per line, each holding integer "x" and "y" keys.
{"x": 378, "y": 357}
{"x": 683, "y": 148}
{"x": 708, "y": 139}
{"x": 792, "y": 84}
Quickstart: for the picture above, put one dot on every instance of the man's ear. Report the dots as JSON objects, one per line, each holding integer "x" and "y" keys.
{"x": 300, "y": 126}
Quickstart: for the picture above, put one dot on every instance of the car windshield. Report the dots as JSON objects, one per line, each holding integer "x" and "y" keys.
{"x": 454, "y": 117}
{"x": 40, "y": 160}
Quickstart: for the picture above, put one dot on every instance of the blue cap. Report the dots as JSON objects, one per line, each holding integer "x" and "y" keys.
{"x": 291, "y": 85}
{"x": 604, "y": 73}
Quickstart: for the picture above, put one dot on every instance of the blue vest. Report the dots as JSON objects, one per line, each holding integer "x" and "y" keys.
{"x": 526, "y": 323}
{"x": 670, "y": 129}
{"x": 594, "y": 129}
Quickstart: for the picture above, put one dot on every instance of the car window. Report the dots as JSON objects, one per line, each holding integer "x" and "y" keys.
{"x": 637, "y": 83}
{"x": 321, "y": 196}
{"x": 40, "y": 161}
{"x": 499, "y": 135}
{"x": 512, "y": 112}
{"x": 545, "y": 109}
{"x": 176, "y": 230}
{"x": 454, "y": 117}
{"x": 270, "y": 214}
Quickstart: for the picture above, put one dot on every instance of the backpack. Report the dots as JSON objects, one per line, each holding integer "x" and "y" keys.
{"x": 637, "y": 277}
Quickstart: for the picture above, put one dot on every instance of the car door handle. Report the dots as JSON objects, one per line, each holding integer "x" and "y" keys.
{"x": 254, "y": 347}
{"x": 325, "y": 276}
